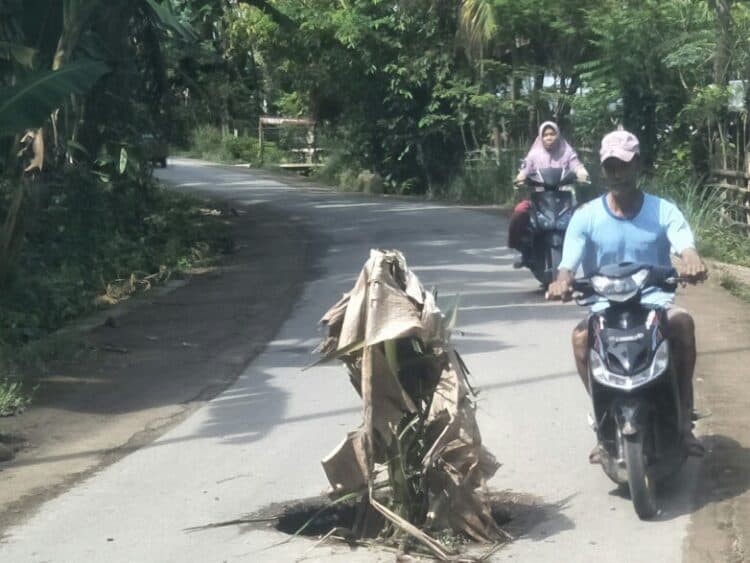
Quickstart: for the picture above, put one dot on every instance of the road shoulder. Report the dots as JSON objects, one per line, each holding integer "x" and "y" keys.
{"x": 719, "y": 529}
{"x": 154, "y": 365}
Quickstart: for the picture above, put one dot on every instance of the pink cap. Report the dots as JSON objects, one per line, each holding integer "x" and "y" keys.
{"x": 622, "y": 145}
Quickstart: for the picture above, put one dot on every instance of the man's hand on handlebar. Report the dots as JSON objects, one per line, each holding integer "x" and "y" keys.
{"x": 562, "y": 288}
{"x": 693, "y": 269}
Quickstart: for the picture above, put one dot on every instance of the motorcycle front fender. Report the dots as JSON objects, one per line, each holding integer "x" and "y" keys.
{"x": 555, "y": 239}
{"x": 631, "y": 416}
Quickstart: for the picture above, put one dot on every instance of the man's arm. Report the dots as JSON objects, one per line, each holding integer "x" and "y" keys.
{"x": 573, "y": 249}
{"x": 681, "y": 238}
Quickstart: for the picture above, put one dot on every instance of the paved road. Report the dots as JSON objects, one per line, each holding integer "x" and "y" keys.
{"x": 262, "y": 440}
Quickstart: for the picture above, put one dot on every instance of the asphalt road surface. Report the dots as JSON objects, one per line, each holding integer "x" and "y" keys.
{"x": 262, "y": 440}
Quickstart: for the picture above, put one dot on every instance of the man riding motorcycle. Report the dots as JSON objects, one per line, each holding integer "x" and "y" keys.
{"x": 628, "y": 225}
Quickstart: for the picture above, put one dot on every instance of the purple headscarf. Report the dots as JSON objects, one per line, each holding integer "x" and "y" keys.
{"x": 560, "y": 155}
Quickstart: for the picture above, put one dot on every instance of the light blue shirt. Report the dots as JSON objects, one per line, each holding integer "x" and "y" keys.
{"x": 596, "y": 237}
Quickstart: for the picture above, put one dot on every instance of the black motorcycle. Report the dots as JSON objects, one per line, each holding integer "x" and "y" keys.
{"x": 551, "y": 210}
{"x": 637, "y": 412}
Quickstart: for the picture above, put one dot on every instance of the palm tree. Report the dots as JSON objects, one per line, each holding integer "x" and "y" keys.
{"x": 478, "y": 25}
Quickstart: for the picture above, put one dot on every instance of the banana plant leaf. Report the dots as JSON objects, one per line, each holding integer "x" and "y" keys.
{"x": 21, "y": 54}
{"x": 28, "y": 104}
{"x": 168, "y": 20}
{"x": 418, "y": 412}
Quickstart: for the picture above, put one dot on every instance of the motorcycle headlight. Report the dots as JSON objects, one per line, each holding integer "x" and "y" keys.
{"x": 659, "y": 363}
{"x": 619, "y": 289}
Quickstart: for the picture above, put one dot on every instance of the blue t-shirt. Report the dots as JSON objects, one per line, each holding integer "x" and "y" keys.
{"x": 596, "y": 237}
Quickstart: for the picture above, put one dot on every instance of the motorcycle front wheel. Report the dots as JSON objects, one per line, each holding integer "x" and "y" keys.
{"x": 641, "y": 483}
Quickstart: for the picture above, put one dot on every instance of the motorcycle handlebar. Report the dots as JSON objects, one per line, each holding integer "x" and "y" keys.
{"x": 537, "y": 184}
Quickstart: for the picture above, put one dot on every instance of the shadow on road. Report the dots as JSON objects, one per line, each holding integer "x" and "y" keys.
{"x": 535, "y": 520}
{"x": 723, "y": 474}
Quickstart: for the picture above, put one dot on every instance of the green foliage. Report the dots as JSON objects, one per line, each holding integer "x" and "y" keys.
{"x": 596, "y": 112}
{"x": 703, "y": 209}
{"x": 207, "y": 142}
{"x": 90, "y": 233}
{"x": 735, "y": 286}
{"x": 481, "y": 181}
{"x": 13, "y": 397}
{"x": 339, "y": 170}
{"x": 29, "y": 103}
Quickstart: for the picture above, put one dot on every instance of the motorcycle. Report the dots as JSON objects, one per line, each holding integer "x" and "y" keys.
{"x": 550, "y": 213}
{"x": 637, "y": 413}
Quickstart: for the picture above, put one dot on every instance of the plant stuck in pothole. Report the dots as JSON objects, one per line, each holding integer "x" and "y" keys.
{"x": 417, "y": 463}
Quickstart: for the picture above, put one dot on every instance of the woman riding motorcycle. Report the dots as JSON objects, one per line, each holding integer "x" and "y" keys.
{"x": 550, "y": 150}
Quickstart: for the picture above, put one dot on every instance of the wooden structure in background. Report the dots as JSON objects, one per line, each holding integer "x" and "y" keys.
{"x": 309, "y": 154}
{"x": 735, "y": 185}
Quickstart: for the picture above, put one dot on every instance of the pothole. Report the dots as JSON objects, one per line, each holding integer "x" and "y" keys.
{"x": 518, "y": 514}
{"x": 315, "y": 517}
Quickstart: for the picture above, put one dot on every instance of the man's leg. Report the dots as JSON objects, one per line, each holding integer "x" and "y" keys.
{"x": 517, "y": 228}
{"x": 580, "y": 340}
{"x": 682, "y": 339}
{"x": 580, "y": 351}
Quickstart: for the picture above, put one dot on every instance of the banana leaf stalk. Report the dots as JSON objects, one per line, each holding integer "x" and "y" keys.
{"x": 418, "y": 411}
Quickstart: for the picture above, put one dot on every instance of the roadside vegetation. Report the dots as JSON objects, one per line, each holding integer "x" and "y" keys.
{"x": 431, "y": 99}
{"x": 82, "y": 222}
{"x": 208, "y": 143}
{"x": 735, "y": 286}
{"x": 441, "y": 101}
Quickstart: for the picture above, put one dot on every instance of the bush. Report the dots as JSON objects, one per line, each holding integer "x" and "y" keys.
{"x": 347, "y": 180}
{"x": 336, "y": 164}
{"x": 481, "y": 181}
{"x": 88, "y": 233}
{"x": 13, "y": 397}
{"x": 702, "y": 207}
{"x": 206, "y": 140}
{"x": 208, "y": 143}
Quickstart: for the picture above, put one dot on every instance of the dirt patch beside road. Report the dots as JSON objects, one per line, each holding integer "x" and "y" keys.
{"x": 155, "y": 364}
{"x": 720, "y": 526}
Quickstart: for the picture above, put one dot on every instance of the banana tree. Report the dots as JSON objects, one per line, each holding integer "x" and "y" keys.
{"x": 48, "y": 68}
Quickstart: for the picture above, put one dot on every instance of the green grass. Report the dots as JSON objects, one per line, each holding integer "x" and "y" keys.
{"x": 734, "y": 286}
{"x": 481, "y": 182}
{"x": 702, "y": 207}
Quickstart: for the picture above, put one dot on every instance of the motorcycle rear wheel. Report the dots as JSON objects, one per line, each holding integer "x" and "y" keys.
{"x": 641, "y": 483}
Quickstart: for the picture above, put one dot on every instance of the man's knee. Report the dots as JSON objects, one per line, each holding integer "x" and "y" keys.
{"x": 682, "y": 327}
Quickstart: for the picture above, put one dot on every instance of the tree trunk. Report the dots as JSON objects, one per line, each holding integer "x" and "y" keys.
{"x": 425, "y": 166}
{"x": 12, "y": 235}
{"x": 723, "y": 53}
{"x": 534, "y": 105}
{"x": 496, "y": 138}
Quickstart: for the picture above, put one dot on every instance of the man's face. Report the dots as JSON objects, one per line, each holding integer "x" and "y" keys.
{"x": 621, "y": 177}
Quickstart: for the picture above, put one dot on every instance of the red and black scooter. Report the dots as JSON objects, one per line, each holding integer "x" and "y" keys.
{"x": 550, "y": 213}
